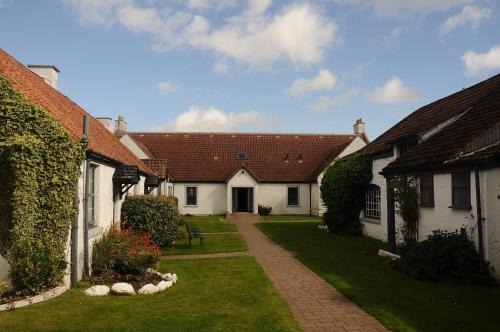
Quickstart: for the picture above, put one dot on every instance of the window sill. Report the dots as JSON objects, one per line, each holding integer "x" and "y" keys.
{"x": 192, "y": 206}
{"x": 458, "y": 207}
{"x": 371, "y": 220}
{"x": 94, "y": 231}
{"x": 293, "y": 206}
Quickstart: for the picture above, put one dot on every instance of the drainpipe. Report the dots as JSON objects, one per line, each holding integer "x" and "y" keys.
{"x": 85, "y": 141}
{"x": 74, "y": 239}
{"x": 479, "y": 216}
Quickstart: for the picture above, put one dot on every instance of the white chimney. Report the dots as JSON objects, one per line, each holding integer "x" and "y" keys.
{"x": 106, "y": 122}
{"x": 359, "y": 127}
{"x": 120, "y": 125}
{"x": 49, "y": 73}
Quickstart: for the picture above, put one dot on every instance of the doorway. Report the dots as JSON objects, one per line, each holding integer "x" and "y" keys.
{"x": 242, "y": 199}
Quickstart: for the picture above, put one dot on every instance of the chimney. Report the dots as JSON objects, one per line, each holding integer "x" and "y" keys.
{"x": 107, "y": 122}
{"x": 120, "y": 125}
{"x": 49, "y": 73}
{"x": 359, "y": 127}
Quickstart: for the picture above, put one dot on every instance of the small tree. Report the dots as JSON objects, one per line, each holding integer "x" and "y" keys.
{"x": 406, "y": 197}
{"x": 343, "y": 192}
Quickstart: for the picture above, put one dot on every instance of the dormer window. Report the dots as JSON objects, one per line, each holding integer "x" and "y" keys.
{"x": 241, "y": 156}
{"x": 404, "y": 147}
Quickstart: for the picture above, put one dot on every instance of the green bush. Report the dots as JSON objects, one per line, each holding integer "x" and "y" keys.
{"x": 444, "y": 257}
{"x": 343, "y": 192}
{"x": 40, "y": 166}
{"x": 124, "y": 252}
{"x": 157, "y": 215}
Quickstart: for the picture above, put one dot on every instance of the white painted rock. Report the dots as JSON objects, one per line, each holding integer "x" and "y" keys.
{"x": 122, "y": 288}
{"x": 166, "y": 276}
{"x": 98, "y": 290}
{"x": 149, "y": 289}
{"x": 174, "y": 278}
{"x": 163, "y": 285}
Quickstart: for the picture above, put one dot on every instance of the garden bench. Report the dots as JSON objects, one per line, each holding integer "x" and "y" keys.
{"x": 194, "y": 233}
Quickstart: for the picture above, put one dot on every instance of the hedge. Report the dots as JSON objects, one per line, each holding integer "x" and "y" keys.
{"x": 158, "y": 215}
{"x": 40, "y": 168}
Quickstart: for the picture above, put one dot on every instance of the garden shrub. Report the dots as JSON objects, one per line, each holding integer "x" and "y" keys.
{"x": 124, "y": 252}
{"x": 157, "y": 215}
{"x": 40, "y": 168}
{"x": 444, "y": 257}
{"x": 343, "y": 192}
{"x": 264, "y": 210}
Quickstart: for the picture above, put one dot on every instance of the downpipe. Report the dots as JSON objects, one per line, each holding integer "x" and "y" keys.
{"x": 85, "y": 141}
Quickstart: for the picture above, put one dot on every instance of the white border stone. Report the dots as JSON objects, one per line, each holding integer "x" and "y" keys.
{"x": 49, "y": 295}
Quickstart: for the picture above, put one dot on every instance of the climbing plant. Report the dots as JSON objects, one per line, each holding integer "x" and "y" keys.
{"x": 40, "y": 166}
{"x": 406, "y": 198}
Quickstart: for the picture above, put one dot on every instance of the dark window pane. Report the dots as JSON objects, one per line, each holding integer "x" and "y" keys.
{"x": 191, "y": 193}
{"x": 460, "y": 189}
{"x": 427, "y": 190}
{"x": 293, "y": 196}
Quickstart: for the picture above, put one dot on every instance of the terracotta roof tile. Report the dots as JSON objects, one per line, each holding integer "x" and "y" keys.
{"x": 63, "y": 109}
{"x": 212, "y": 156}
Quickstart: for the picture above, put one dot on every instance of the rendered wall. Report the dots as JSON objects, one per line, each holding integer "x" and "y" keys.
{"x": 275, "y": 195}
{"x": 211, "y": 198}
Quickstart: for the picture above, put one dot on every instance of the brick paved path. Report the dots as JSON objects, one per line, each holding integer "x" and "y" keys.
{"x": 199, "y": 256}
{"x": 315, "y": 304}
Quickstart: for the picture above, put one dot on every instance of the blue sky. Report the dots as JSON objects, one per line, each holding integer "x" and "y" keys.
{"x": 287, "y": 66}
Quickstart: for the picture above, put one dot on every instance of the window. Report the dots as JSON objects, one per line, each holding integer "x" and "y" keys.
{"x": 427, "y": 190}
{"x": 292, "y": 196}
{"x": 404, "y": 147}
{"x": 92, "y": 195}
{"x": 241, "y": 156}
{"x": 170, "y": 190}
{"x": 372, "y": 202}
{"x": 191, "y": 196}
{"x": 460, "y": 190}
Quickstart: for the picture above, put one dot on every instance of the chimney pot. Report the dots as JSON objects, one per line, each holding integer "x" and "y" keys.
{"x": 120, "y": 125}
{"x": 359, "y": 127}
{"x": 49, "y": 73}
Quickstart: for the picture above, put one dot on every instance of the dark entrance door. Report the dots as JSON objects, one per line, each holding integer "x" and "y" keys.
{"x": 242, "y": 199}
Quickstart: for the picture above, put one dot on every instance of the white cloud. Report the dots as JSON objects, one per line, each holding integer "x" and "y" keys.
{"x": 324, "y": 80}
{"x": 167, "y": 87}
{"x": 214, "y": 120}
{"x": 470, "y": 15}
{"x": 298, "y": 33}
{"x": 476, "y": 63}
{"x": 221, "y": 68}
{"x": 393, "y": 91}
{"x": 326, "y": 103}
{"x": 403, "y": 8}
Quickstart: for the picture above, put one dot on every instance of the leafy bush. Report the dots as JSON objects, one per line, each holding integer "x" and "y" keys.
{"x": 444, "y": 257}
{"x": 157, "y": 215}
{"x": 264, "y": 210}
{"x": 343, "y": 192}
{"x": 40, "y": 166}
{"x": 124, "y": 253}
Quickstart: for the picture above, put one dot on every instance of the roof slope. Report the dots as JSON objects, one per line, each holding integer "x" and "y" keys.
{"x": 69, "y": 114}
{"x": 433, "y": 114}
{"x": 448, "y": 147}
{"x": 211, "y": 157}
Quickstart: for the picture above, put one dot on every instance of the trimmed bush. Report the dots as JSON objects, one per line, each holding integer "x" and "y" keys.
{"x": 157, "y": 215}
{"x": 444, "y": 257}
{"x": 343, "y": 192}
{"x": 264, "y": 210}
{"x": 124, "y": 253}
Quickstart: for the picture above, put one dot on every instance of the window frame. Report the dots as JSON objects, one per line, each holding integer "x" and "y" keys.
{"x": 288, "y": 196}
{"x": 377, "y": 202}
{"x": 455, "y": 187}
{"x": 426, "y": 186}
{"x": 92, "y": 194}
{"x": 195, "y": 196}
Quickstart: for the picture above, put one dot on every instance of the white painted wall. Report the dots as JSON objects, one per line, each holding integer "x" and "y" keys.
{"x": 275, "y": 196}
{"x": 490, "y": 189}
{"x": 242, "y": 179}
{"x": 4, "y": 268}
{"x": 211, "y": 198}
{"x": 132, "y": 146}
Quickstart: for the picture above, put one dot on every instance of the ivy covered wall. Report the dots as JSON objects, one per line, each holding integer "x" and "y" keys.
{"x": 39, "y": 170}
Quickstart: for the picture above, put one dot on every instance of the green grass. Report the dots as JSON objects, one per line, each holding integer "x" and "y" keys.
{"x": 223, "y": 294}
{"x": 290, "y": 217}
{"x": 214, "y": 243}
{"x": 399, "y": 302}
{"x": 210, "y": 224}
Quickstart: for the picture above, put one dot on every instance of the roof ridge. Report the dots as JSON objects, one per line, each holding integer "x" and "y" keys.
{"x": 235, "y": 133}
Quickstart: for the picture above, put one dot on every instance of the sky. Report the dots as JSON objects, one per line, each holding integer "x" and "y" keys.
{"x": 260, "y": 65}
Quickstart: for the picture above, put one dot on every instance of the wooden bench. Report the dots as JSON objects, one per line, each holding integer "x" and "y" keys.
{"x": 194, "y": 233}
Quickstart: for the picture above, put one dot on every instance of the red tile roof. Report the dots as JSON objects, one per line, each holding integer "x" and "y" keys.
{"x": 69, "y": 114}
{"x": 433, "y": 114}
{"x": 211, "y": 157}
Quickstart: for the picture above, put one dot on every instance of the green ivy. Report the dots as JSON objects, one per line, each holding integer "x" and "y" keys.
{"x": 40, "y": 167}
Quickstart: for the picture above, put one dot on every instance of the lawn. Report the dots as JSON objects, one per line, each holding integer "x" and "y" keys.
{"x": 399, "y": 302}
{"x": 214, "y": 243}
{"x": 290, "y": 217}
{"x": 210, "y": 224}
{"x": 220, "y": 294}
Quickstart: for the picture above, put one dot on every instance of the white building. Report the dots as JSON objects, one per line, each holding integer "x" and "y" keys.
{"x": 219, "y": 173}
{"x": 452, "y": 146}
{"x": 106, "y": 159}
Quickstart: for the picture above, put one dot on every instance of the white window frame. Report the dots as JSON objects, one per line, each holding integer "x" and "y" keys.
{"x": 93, "y": 195}
{"x": 287, "y": 195}
{"x": 373, "y": 209}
